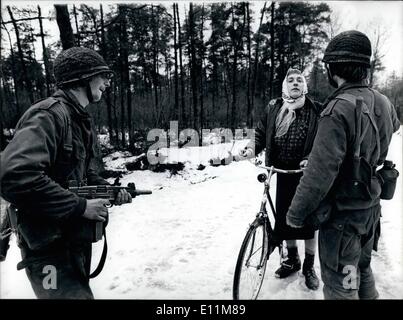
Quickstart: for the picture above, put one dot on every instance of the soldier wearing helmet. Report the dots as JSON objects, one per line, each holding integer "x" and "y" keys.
{"x": 340, "y": 192}
{"x": 52, "y": 146}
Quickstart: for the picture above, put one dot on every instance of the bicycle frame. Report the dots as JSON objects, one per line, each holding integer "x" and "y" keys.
{"x": 266, "y": 197}
{"x": 259, "y": 242}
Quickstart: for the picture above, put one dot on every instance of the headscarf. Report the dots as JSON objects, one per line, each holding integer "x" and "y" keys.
{"x": 286, "y": 114}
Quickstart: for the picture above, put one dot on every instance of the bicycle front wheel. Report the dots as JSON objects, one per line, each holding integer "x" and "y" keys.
{"x": 251, "y": 264}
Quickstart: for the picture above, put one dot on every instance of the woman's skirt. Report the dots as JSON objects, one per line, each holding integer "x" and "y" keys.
{"x": 286, "y": 187}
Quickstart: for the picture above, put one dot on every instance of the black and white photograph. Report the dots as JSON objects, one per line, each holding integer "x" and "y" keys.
{"x": 206, "y": 150}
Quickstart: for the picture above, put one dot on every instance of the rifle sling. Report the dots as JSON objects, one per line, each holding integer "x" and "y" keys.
{"x": 101, "y": 263}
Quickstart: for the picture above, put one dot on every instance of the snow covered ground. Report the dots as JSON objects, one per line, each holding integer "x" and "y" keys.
{"x": 182, "y": 241}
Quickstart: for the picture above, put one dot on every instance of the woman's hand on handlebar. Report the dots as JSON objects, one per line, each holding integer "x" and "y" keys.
{"x": 303, "y": 164}
{"x": 246, "y": 152}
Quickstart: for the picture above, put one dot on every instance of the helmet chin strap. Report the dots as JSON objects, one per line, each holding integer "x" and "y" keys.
{"x": 90, "y": 97}
{"x": 332, "y": 82}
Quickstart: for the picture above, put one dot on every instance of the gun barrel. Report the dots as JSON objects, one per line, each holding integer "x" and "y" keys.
{"x": 105, "y": 191}
{"x": 138, "y": 192}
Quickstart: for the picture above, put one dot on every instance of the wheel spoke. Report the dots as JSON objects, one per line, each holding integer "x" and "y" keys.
{"x": 251, "y": 264}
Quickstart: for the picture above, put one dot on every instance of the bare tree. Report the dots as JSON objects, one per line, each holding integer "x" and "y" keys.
{"x": 182, "y": 115}
{"x": 78, "y": 37}
{"x": 13, "y": 72}
{"x": 334, "y": 25}
{"x": 202, "y": 53}
{"x": 27, "y": 81}
{"x": 176, "y": 107}
{"x": 248, "y": 90}
{"x": 236, "y": 46}
{"x": 193, "y": 63}
{"x": 44, "y": 52}
{"x": 378, "y": 38}
{"x": 272, "y": 62}
{"x": 256, "y": 63}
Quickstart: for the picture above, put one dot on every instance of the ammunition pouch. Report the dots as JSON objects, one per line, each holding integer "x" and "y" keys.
{"x": 84, "y": 230}
{"x": 359, "y": 185}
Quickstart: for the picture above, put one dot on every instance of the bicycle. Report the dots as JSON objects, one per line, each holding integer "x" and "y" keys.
{"x": 258, "y": 244}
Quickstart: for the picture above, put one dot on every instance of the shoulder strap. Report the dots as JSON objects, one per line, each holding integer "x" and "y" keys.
{"x": 372, "y": 119}
{"x": 361, "y": 108}
{"x": 359, "y": 133}
{"x": 65, "y": 114}
{"x": 328, "y": 108}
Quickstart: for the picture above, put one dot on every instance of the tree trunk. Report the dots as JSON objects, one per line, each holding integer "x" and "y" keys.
{"x": 193, "y": 67}
{"x": 63, "y": 21}
{"x": 94, "y": 21}
{"x": 272, "y": 13}
{"x": 182, "y": 116}
{"x": 256, "y": 64}
{"x": 155, "y": 68}
{"x": 177, "y": 111}
{"x": 45, "y": 53}
{"x": 108, "y": 91}
{"x": 202, "y": 49}
{"x": 236, "y": 44}
{"x": 78, "y": 37}
{"x": 2, "y": 138}
{"x": 115, "y": 114}
{"x": 27, "y": 82}
{"x": 215, "y": 87}
{"x": 249, "y": 120}
{"x": 126, "y": 77}
{"x": 14, "y": 75}
{"x": 226, "y": 76}
{"x": 122, "y": 62}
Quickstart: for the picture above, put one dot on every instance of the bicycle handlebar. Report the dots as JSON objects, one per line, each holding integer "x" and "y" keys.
{"x": 258, "y": 163}
{"x": 273, "y": 169}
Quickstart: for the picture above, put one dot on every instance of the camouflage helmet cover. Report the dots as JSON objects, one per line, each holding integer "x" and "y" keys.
{"x": 349, "y": 46}
{"x": 78, "y": 63}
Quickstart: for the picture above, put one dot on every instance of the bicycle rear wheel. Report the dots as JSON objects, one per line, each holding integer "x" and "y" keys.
{"x": 251, "y": 264}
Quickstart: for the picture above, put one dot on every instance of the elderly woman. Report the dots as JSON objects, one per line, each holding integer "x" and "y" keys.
{"x": 287, "y": 131}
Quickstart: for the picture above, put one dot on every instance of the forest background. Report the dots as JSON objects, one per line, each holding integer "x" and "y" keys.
{"x": 204, "y": 64}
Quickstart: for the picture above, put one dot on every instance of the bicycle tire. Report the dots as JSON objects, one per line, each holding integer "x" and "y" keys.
{"x": 252, "y": 259}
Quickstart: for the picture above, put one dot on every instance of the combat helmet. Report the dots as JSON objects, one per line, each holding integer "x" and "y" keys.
{"x": 349, "y": 46}
{"x": 78, "y": 63}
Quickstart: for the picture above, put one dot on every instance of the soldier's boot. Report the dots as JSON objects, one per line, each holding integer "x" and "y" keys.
{"x": 289, "y": 266}
{"x": 311, "y": 279}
